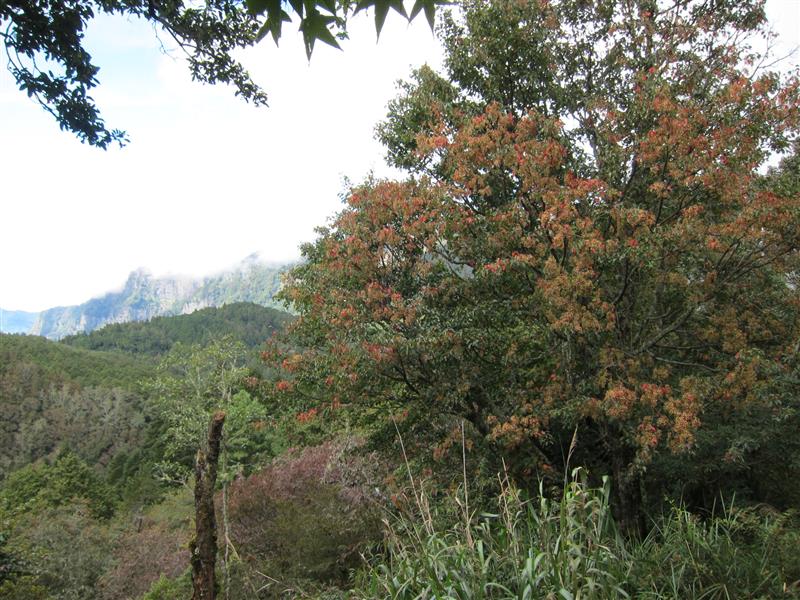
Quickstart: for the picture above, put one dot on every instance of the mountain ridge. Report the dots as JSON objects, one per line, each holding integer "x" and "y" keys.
{"x": 144, "y": 297}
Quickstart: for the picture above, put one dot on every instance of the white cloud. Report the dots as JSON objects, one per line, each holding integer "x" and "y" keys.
{"x": 207, "y": 178}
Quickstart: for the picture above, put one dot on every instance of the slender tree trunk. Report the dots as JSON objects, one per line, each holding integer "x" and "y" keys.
{"x": 226, "y": 529}
{"x": 204, "y": 545}
{"x": 628, "y": 505}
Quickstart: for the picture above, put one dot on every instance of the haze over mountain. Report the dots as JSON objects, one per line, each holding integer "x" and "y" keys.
{"x": 17, "y": 321}
{"x": 144, "y": 296}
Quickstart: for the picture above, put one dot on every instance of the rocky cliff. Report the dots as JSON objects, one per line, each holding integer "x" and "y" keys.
{"x": 144, "y": 297}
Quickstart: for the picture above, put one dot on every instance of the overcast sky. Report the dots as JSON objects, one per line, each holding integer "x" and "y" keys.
{"x": 206, "y": 179}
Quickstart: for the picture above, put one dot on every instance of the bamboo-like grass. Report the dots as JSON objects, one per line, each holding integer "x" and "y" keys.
{"x": 570, "y": 549}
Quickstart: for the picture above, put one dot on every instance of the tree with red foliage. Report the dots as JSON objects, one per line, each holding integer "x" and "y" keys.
{"x": 586, "y": 243}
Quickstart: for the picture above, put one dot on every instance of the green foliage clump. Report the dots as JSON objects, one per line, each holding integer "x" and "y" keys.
{"x": 165, "y": 588}
{"x": 66, "y": 551}
{"x": 9, "y": 564}
{"x": 45, "y": 486}
{"x": 23, "y": 587}
{"x": 193, "y": 382}
{"x": 785, "y": 178}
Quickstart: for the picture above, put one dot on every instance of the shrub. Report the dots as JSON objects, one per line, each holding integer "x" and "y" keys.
{"x": 302, "y": 520}
{"x": 23, "y": 587}
{"x": 65, "y": 549}
{"x": 744, "y": 553}
{"x": 546, "y": 549}
{"x": 153, "y": 547}
{"x": 43, "y": 486}
{"x": 164, "y": 588}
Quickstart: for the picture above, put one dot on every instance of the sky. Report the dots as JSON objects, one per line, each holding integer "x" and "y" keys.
{"x": 206, "y": 179}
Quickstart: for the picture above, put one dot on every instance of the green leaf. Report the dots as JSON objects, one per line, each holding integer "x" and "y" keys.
{"x": 381, "y": 10}
{"x": 274, "y": 26}
{"x": 297, "y": 6}
{"x": 317, "y": 27}
{"x": 276, "y": 16}
{"x": 429, "y": 6}
{"x": 257, "y": 7}
{"x": 430, "y": 12}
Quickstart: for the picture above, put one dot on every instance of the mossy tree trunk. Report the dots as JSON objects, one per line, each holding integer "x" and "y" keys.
{"x": 204, "y": 545}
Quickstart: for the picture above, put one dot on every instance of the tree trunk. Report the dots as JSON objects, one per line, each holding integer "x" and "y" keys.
{"x": 204, "y": 545}
{"x": 628, "y": 493}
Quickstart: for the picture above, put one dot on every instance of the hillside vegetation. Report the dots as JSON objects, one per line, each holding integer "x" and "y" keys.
{"x": 88, "y": 392}
{"x": 56, "y": 361}
{"x": 248, "y": 323}
{"x": 54, "y": 396}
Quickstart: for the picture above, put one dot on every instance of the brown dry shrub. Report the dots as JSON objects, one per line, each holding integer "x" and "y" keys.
{"x": 304, "y": 518}
{"x": 154, "y": 544}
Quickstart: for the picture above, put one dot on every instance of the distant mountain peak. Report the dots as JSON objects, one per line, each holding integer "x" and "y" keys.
{"x": 144, "y": 296}
{"x": 138, "y": 277}
{"x": 254, "y": 258}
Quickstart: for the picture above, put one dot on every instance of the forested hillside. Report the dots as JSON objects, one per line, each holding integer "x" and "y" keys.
{"x": 85, "y": 368}
{"x": 248, "y": 323}
{"x": 87, "y": 393}
{"x": 54, "y": 397}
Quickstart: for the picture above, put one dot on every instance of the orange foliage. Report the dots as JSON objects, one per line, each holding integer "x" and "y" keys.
{"x": 629, "y": 294}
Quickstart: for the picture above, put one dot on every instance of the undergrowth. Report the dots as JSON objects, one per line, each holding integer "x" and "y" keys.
{"x": 570, "y": 548}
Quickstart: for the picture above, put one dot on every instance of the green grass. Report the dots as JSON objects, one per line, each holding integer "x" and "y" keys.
{"x": 570, "y": 548}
